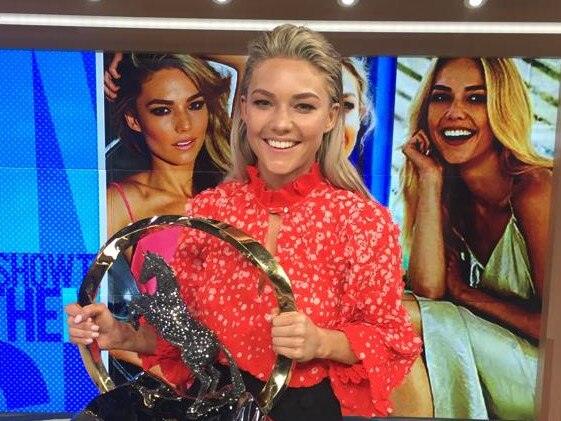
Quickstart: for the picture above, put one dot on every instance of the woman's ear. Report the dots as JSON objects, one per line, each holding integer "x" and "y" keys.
{"x": 332, "y": 117}
{"x": 132, "y": 122}
{"x": 243, "y": 105}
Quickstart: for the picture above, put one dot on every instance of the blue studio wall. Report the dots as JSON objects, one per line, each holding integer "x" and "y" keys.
{"x": 49, "y": 223}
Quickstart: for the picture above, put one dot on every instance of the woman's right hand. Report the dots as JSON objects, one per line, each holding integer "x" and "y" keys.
{"x": 418, "y": 151}
{"x": 93, "y": 322}
{"x": 110, "y": 75}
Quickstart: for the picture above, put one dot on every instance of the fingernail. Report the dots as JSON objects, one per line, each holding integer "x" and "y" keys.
{"x": 89, "y": 340}
{"x": 78, "y": 319}
{"x": 95, "y": 334}
{"x": 95, "y": 328}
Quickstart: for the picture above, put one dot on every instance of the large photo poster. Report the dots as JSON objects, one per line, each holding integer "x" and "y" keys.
{"x": 470, "y": 181}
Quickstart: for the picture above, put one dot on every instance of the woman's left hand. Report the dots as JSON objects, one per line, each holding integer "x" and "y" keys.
{"x": 295, "y": 336}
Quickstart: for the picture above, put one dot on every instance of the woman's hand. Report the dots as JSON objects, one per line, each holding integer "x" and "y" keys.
{"x": 520, "y": 315}
{"x": 110, "y": 75}
{"x": 418, "y": 151}
{"x": 455, "y": 284}
{"x": 295, "y": 336}
{"x": 93, "y": 322}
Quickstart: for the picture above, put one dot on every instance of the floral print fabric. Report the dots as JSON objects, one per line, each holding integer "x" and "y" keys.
{"x": 340, "y": 251}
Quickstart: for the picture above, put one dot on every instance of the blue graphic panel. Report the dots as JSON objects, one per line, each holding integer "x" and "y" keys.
{"x": 19, "y": 224}
{"x": 372, "y": 155}
{"x": 378, "y": 167}
{"x": 17, "y": 122}
{"x": 49, "y": 178}
{"x": 68, "y": 97}
{"x": 16, "y": 387}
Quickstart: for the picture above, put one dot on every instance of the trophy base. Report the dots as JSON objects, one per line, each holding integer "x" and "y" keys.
{"x": 148, "y": 399}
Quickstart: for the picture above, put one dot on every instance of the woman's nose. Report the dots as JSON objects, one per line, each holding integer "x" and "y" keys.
{"x": 281, "y": 120}
{"x": 183, "y": 122}
{"x": 456, "y": 110}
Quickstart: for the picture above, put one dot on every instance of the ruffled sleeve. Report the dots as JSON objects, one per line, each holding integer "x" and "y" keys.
{"x": 376, "y": 324}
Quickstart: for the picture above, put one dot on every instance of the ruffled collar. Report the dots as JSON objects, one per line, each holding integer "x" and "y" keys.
{"x": 288, "y": 194}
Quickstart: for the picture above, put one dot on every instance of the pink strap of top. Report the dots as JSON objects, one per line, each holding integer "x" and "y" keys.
{"x": 124, "y": 197}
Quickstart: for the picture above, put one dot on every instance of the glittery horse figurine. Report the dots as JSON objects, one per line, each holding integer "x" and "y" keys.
{"x": 166, "y": 311}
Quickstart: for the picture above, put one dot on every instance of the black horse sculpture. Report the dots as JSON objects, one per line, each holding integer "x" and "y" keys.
{"x": 166, "y": 311}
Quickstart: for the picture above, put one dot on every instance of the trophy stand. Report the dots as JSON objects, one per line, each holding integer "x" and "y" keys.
{"x": 156, "y": 398}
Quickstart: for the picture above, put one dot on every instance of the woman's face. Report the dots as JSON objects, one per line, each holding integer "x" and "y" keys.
{"x": 287, "y": 109}
{"x": 173, "y": 117}
{"x": 351, "y": 108}
{"x": 457, "y": 114}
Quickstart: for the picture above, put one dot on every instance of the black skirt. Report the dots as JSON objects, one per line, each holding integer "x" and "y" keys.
{"x": 311, "y": 403}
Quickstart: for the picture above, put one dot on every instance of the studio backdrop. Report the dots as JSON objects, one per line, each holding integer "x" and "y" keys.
{"x": 65, "y": 144}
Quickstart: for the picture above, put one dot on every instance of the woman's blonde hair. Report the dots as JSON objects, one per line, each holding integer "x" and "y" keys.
{"x": 298, "y": 42}
{"x": 510, "y": 118}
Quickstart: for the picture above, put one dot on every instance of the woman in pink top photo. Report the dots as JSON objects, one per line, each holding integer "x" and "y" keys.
{"x": 173, "y": 110}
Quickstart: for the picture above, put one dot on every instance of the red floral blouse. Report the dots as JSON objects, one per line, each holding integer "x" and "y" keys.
{"x": 340, "y": 251}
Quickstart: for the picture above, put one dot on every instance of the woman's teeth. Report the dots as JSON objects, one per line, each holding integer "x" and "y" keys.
{"x": 280, "y": 144}
{"x": 457, "y": 134}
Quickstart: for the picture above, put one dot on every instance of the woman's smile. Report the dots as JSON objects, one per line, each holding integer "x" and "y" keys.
{"x": 455, "y": 136}
{"x": 281, "y": 144}
{"x": 185, "y": 144}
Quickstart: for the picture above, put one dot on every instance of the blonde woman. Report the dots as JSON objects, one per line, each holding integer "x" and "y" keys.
{"x": 292, "y": 189}
{"x": 477, "y": 199}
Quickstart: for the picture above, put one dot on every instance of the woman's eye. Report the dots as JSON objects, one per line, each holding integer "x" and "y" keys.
{"x": 348, "y": 106}
{"x": 261, "y": 102}
{"x": 305, "y": 107}
{"x": 439, "y": 97}
{"x": 159, "y": 111}
{"x": 478, "y": 98}
{"x": 197, "y": 105}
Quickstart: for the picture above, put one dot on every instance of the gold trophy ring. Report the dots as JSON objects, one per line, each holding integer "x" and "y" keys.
{"x": 250, "y": 248}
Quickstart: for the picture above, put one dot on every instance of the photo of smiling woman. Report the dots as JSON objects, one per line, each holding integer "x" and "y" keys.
{"x": 291, "y": 188}
{"x": 476, "y": 207}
